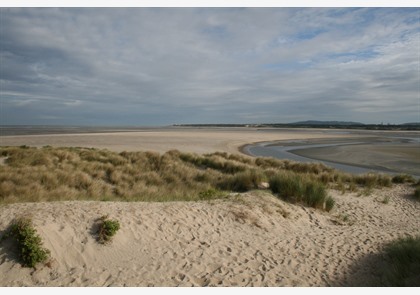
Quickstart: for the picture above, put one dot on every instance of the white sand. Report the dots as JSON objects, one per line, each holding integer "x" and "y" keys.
{"x": 243, "y": 241}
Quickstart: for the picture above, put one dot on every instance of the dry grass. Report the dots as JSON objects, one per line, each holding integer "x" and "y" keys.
{"x": 50, "y": 174}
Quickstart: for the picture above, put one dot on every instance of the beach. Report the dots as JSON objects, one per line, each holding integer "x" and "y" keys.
{"x": 245, "y": 239}
{"x": 250, "y": 239}
{"x": 196, "y": 140}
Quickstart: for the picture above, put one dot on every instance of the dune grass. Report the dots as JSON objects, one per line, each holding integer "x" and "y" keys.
{"x": 417, "y": 193}
{"x": 295, "y": 188}
{"x": 52, "y": 174}
{"x": 403, "y": 260}
{"x": 403, "y": 178}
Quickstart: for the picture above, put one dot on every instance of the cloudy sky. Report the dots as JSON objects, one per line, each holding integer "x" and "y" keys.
{"x": 161, "y": 66}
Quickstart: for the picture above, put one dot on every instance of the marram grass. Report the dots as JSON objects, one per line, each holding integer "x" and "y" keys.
{"x": 53, "y": 174}
{"x": 402, "y": 258}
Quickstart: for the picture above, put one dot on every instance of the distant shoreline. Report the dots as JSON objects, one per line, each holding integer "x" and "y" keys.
{"x": 56, "y": 130}
{"x": 6, "y": 130}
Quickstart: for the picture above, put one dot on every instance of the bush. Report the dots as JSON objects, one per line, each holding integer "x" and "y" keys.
{"x": 107, "y": 229}
{"x": 29, "y": 242}
{"x": 403, "y": 257}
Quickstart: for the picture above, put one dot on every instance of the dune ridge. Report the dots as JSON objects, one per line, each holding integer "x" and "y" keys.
{"x": 250, "y": 239}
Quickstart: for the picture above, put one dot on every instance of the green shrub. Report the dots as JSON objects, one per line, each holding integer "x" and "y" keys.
{"x": 29, "y": 242}
{"x": 107, "y": 229}
{"x": 403, "y": 257}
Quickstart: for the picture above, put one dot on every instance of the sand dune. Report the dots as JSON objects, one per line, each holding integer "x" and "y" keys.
{"x": 250, "y": 239}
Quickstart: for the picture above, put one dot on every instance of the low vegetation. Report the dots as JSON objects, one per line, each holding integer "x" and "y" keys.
{"x": 403, "y": 178}
{"x": 417, "y": 193}
{"x": 50, "y": 174}
{"x": 107, "y": 228}
{"x": 295, "y": 188}
{"x": 29, "y": 243}
{"x": 403, "y": 260}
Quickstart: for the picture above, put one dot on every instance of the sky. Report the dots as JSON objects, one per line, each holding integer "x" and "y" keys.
{"x": 161, "y": 66}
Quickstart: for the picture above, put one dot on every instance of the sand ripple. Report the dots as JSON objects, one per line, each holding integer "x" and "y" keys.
{"x": 251, "y": 239}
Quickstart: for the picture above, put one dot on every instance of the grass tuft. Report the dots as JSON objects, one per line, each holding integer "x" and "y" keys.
{"x": 295, "y": 188}
{"x": 386, "y": 199}
{"x": 329, "y": 203}
{"x": 242, "y": 182}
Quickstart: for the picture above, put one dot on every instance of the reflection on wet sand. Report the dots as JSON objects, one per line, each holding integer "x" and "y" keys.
{"x": 354, "y": 155}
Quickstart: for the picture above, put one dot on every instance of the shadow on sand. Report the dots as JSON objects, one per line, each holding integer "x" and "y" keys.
{"x": 376, "y": 270}
{"x": 8, "y": 249}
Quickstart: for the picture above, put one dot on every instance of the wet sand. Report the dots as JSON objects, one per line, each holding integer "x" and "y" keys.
{"x": 403, "y": 158}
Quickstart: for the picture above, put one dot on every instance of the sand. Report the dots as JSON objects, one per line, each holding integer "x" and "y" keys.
{"x": 206, "y": 140}
{"x": 393, "y": 157}
{"x": 250, "y": 239}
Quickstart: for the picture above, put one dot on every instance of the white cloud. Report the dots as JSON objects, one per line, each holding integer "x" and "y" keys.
{"x": 272, "y": 63}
